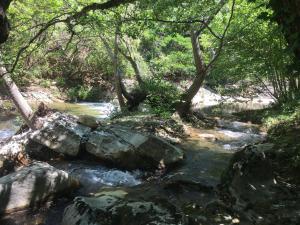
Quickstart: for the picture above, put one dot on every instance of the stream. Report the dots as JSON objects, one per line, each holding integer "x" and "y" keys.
{"x": 208, "y": 152}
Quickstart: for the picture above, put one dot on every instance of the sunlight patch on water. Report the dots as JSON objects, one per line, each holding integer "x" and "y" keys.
{"x": 106, "y": 109}
{"x": 100, "y": 110}
{"x": 93, "y": 176}
{"x": 8, "y": 126}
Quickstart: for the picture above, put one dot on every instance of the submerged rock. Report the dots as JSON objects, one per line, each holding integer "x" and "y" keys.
{"x": 130, "y": 149}
{"x": 61, "y": 133}
{"x": 32, "y": 185}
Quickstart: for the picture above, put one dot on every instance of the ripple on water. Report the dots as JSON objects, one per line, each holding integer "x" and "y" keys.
{"x": 6, "y": 134}
{"x": 106, "y": 109}
{"x": 109, "y": 177}
{"x": 94, "y": 176}
{"x": 239, "y": 139}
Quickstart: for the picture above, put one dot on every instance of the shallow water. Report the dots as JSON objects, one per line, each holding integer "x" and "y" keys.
{"x": 101, "y": 110}
{"x": 208, "y": 151}
{"x": 8, "y": 126}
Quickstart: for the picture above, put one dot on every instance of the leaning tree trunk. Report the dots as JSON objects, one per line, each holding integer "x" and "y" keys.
{"x": 118, "y": 80}
{"x": 184, "y": 107}
{"x": 135, "y": 66}
{"x": 22, "y": 105}
{"x": 120, "y": 72}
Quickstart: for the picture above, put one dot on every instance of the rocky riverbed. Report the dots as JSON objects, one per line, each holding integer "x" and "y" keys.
{"x": 140, "y": 170}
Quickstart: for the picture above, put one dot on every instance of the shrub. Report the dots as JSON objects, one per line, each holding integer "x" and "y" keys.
{"x": 84, "y": 93}
{"x": 162, "y": 96}
{"x": 45, "y": 83}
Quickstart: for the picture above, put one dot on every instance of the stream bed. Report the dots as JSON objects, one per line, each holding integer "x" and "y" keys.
{"x": 208, "y": 152}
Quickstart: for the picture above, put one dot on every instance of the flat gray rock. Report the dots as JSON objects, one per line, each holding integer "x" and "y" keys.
{"x": 130, "y": 149}
{"x": 31, "y": 185}
{"x": 61, "y": 133}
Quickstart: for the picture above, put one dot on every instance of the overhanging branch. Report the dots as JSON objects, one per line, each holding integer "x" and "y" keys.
{"x": 92, "y": 7}
{"x": 219, "y": 50}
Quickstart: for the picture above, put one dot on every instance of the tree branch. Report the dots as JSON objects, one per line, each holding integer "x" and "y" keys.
{"x": 222, "y": 38}
{"x": 92, "y": 7}
{"x": 98, "y": 6}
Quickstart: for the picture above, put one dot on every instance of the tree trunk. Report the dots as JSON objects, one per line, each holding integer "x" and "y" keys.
{"x": 118, "y": 85}
{"x": 287, "y": 15}
{"x": 22, "y": 105}
{"x": 135, "y": 67}
{"x": 19, "y": 101}
{"x": 4, "y": 23}
{"x": 112, "y": 56}
{"x": 183, "y": 107}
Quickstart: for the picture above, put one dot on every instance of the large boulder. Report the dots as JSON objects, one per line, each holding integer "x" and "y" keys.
{"x": 31, "y": 185}
{"x": 116, "y": 207}
{"x": 254, "y": 188}
{"x": 61, "y": 133}
{"x": 127, "y": 148}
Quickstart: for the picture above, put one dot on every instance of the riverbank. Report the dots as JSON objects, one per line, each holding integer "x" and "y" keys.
{"x": 33, "y": 94}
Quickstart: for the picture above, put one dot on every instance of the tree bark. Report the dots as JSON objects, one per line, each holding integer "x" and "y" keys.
{"x": 184, "y": 107}
{"x": 19, "y": 101}
{"x": 135, "y": 66}
{"x": 112, "y": 57}
{"x": 200, "y": 68}
{"x": 118, "y": 80}
{"x": 4, "y": 23}
{"x": 287, "y": 15}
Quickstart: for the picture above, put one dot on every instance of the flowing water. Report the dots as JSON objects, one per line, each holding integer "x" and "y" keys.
{"x": 208, "y": 151}
{"x": 99, "y": 110}
{"x": 93, "y": 176}
{"x": 8, "y": 126}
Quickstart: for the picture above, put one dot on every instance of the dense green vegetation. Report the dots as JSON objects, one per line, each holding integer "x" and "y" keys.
{"x": 170, "y": 49}
{"x": 154, "y": 44}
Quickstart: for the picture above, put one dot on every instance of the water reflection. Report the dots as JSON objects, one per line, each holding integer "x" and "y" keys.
{"x": 100, "y": 110}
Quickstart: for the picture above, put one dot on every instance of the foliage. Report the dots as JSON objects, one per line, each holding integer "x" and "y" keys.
{"x": 45, "y": 83}
{"x": 275, "y": 117}
{"x": 255, "y": 51}
{"x": 280, "y": 118}
{"x": 162, "y": 96}
{"x": 157, "y": 34}
{"x": 168, "y": 55}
